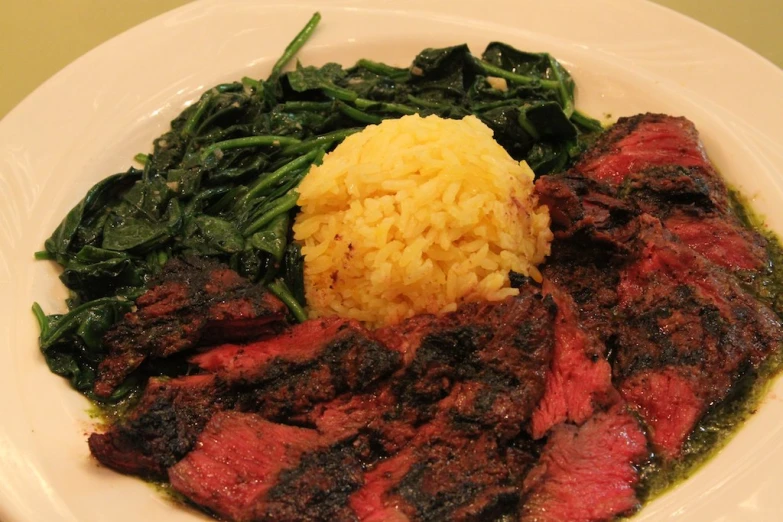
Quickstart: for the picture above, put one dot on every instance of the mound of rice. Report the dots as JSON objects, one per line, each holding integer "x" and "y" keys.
{"x": 417, "y": 215}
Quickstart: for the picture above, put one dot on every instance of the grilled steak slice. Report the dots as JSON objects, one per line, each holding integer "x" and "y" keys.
{"x": 594, "y": 231}
{"x": 580, "y": 377}
{"x": 192, "y": 302}
{"x": 581, "y": 208}
{"x": 327, "y": 357}
{"x": 162, "y": 428}
{"x": 245, "y": 468}
{"x": 722, "y": 240}
{"x": 446, "y": 473}
{"x": 301, "y": 344}
{"x": 346, "y": 358}
{"x": 688, "y": 331}
{"x": 657, "y": 163}
{"x": 639, "y": 142}
{"x": 587, "y": 473}
{"x": 492, "y": 356}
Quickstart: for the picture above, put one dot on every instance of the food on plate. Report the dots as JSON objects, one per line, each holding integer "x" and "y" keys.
{"x": 415, "y": 216}
{"x": 270, "y": 366}
{"x": 194, "y": 301}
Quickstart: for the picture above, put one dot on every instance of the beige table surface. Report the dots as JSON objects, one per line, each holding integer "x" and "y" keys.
{"x": 40, "y": 37}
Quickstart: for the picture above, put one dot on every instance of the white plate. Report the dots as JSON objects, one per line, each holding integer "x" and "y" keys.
{"x": 627, "y": 56}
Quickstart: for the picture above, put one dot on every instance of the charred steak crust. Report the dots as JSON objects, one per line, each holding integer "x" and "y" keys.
{"x": 192, "y": 301}
{"x": 163, "y": 426}
{"x": 349, "y": 361}
{"x": 246, "y": 468}
{"x": 171, "y": 413}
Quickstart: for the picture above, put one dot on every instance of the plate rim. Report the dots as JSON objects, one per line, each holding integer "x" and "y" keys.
{"x": 19, "y": 112}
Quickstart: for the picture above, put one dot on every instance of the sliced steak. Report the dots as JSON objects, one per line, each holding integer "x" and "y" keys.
{"x": 587, "y": 473}
{"x": 301, "y": 344}
{"x": 312, "y": 362}
{"x": 584, "y": 209}
{"x": 722, "y": 240}
{"x": 657, "y": 163}
{"x": 245, "y": 468}
{"x": 647, "y": 140}
{"x": 348, "y": 359}
{"x": 446, "y": 473}
{"x": 162, "y": 428}
{"x": 192, "y": 302}
{"x": 594, "y": 231}
{"x": 491, "y": 358}
{"x": 688, "y": 332}
{"x": 580, "y": 378}
{"x": 678, "y": 328}
{"x": 327, "y": 357}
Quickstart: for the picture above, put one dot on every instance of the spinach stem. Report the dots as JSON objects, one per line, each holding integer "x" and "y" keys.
{"x": 195, "y": 117}
{"x": 338, "y": 93}
{"x": 43, "y": 255}
{"x": 426, "y": 104}
{"x": 141, "y": 158}
{"x": 269, "y": 180}
{"x": 514, "y": 77}
{"x": 229, "y": 87}
{"x": 43, "y": 321}
{"x": 525, "y": 124}
{"x": 319, "y": 157}
{"x": 324, "y": 140}
{"x": 356, "y": 114}
{"x": 585, "y": 121}
{"x": 565, "y": 99}
{"x": 256, "y": 85}
{"x": 250, "y": 141}
{"x": 398, "y": 108}
{"x": 293, "y": 47}
{"x": 283, "y": 204}
{"x": 493, "y": 104}
{"x": 281, "y": 291}
{"x": 306, "y": 106}
{"x": 381, "y": 69}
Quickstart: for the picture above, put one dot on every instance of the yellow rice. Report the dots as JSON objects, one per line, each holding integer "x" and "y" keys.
{"x": 417, "y": 215}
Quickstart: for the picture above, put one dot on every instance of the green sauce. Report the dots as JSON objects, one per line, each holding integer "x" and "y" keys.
{"x": 108, "y": 413}
{"x": 723, "y": 420}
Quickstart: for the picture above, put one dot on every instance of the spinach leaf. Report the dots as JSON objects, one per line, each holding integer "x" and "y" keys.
{"x": 549, "y": 121}
{"x": 141, "y": 234}
{"x": 314, "y": 78}
{"x": 504, "y": 121}
{"x": 272, "y": 239}
{"x": 449, "y": 70}
{"x": 71, "y": 343}
{"x": 293, "y": 271}
{"x": 61, "y": 244}
{"x": 96, "y": 272}
{"x": 208, "y": 235}
{"x": 535, "y": 65}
